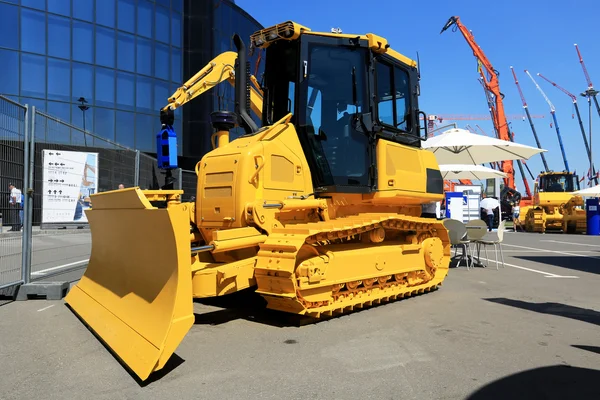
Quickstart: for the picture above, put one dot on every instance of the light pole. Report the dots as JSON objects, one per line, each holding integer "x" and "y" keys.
{"x": 589, "y": 93}
{"x": 83, "y": 109}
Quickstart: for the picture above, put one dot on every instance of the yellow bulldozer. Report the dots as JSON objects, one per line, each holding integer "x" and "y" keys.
{"x": 318, "y": 210}
{"x": 554, "y": 206}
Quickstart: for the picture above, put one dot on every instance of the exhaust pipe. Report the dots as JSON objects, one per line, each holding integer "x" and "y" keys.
{"x": 242, "y": 91}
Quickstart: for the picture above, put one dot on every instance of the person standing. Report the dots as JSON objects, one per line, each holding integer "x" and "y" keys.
{"x": 15, "y": 204}
{"x": 429, "y": 210}
{"x": 489, "y": 210}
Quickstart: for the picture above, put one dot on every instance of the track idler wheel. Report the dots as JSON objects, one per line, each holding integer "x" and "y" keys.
{"x": 433, "y": 251}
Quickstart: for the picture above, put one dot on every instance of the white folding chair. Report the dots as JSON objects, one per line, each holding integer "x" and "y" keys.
{"x": 497, "y": 243}
{"x": 457, "y": 231}
{"x": 476, "y": 230}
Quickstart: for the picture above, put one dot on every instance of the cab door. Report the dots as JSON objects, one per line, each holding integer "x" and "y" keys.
{"x": 332, "y": 96}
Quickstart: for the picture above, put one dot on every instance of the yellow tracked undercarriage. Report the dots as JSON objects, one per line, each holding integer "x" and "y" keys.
{"x": 323, "y": 268}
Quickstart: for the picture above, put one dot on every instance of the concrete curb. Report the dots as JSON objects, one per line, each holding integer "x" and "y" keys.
{"x": 47, "y": 290}
{"x": 41, "y": 290}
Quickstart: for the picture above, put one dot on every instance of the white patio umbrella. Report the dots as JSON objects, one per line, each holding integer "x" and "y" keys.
{"x": 489, "y": 202}
{"x": 459, "y": 146}
{"x": 469, "y": 171}
{"x": 593, "y": 191}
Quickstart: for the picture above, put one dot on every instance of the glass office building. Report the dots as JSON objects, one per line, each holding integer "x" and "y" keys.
{"x": 210, "y": 26}
{"x": 125, "y": 57}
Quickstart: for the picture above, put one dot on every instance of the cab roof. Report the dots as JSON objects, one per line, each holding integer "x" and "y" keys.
{"x": 291, "y": 30}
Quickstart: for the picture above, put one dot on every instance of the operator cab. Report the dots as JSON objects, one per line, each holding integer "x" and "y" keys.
{"x": 557, "y": 183}
{"x": 343, "y": 95}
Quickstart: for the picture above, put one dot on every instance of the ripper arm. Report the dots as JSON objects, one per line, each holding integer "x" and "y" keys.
{"x": 219, "y": 69}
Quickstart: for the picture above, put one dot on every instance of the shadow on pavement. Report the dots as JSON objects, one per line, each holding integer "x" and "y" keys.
{"x": 552, "y": 382}
{"x": 174, "y": 362}
{"x": 247, "y": 305}
{"x": 584, "y": 264}
{"x": 559, "y": 309}
{"x": 593, "y": 349}
{"x": 250, "y": 306}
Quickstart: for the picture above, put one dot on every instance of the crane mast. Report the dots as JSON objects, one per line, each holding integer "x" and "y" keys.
{"x": 537, "y": 140}
{"x": 589, "y": 93}
{"x": 553, "y": 112}
{"x": 492, "y": 108}
{"x": 492, "y": 85}
{"x": 574, "y": 99}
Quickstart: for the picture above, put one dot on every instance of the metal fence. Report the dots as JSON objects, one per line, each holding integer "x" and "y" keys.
{"x": 188, "y": 182}
{"x": 53, "y": 240}
{"x": 13, "y": 129}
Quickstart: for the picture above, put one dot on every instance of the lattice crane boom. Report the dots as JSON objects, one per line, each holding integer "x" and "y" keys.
{"x": 585, "y": 141}
{"x": 565, "y": 91}
{"x": 553, "y": 112}
{"x": 589, "y": 81}
{"x": 519, "y": 87}
{"x": 535, "y": 136}
{"x": 587, "y": 76}
{"x": 552, "y": 109}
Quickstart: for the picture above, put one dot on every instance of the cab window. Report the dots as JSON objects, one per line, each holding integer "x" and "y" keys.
{"x": 393, "y": 97}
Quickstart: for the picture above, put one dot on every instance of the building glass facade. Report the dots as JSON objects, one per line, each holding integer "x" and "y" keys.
{"x": 124, "y": 57}
{"x": 211, "y": 25}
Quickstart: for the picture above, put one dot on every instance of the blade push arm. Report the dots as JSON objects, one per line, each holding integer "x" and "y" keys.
{"x": 221, "y": 68}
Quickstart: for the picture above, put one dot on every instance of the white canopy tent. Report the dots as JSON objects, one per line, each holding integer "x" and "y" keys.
{"x": 459, "y": 146}
{"x": 469, "y": 171}
{"x": 593, "y": 191}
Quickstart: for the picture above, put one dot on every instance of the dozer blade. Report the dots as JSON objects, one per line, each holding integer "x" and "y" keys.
{"x": 136, "y": 293}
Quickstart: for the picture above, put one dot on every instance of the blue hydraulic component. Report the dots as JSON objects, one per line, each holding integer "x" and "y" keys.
{"x": 166, "y": 141}
{"x": 166, "y": 148}
{"x": 562, "y": 149}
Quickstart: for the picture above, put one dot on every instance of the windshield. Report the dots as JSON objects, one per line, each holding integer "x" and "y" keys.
{"x": 559, "y": 183}
{"x": 336, "y": 94}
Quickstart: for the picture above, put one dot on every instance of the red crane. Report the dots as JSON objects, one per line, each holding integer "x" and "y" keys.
{"x": 490, "y": 82}
{"x": 590, "y": 90}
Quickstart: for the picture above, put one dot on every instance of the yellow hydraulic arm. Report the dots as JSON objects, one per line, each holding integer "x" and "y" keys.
{"x": 219, "y": 69}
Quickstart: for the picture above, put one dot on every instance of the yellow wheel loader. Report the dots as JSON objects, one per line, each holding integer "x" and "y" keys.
{"x": 554, "y": 207}
{"x": 318, "y": 210}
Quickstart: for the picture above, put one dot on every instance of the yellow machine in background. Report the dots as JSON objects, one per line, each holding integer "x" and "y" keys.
{"x": 554, "y": 205}
{"x": 318, "y": 210}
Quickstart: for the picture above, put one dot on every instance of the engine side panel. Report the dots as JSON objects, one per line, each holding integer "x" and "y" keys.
{"x": 406, "y": 175}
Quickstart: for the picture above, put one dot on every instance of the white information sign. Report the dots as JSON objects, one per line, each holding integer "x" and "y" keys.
{"x": 70, "y": 178}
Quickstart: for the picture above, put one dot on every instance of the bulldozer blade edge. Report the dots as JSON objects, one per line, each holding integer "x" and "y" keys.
{"x": 136, "y": 293}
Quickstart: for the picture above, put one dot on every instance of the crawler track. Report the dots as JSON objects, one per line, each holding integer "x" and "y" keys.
{"x": 336, "y": 266}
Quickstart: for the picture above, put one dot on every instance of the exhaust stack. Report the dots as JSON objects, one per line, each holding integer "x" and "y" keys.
{"x": 242, "y": 91}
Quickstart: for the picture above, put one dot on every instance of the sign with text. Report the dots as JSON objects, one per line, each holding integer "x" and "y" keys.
{"x": 70, "y": 178}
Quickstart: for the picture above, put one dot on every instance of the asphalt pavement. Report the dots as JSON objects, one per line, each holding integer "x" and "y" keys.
{"x": 528, "y": 330}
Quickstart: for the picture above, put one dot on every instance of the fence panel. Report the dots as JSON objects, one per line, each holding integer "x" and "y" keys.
{"x": 189, "y": 182}
{"x": 28, "y": 140}
{"x": 12, "y": 160}
{"x": 55, "y": 252}
{"x": 150, "y": 177}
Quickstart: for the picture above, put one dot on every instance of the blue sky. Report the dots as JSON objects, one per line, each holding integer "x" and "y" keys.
{"x": 533, "y": 34}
